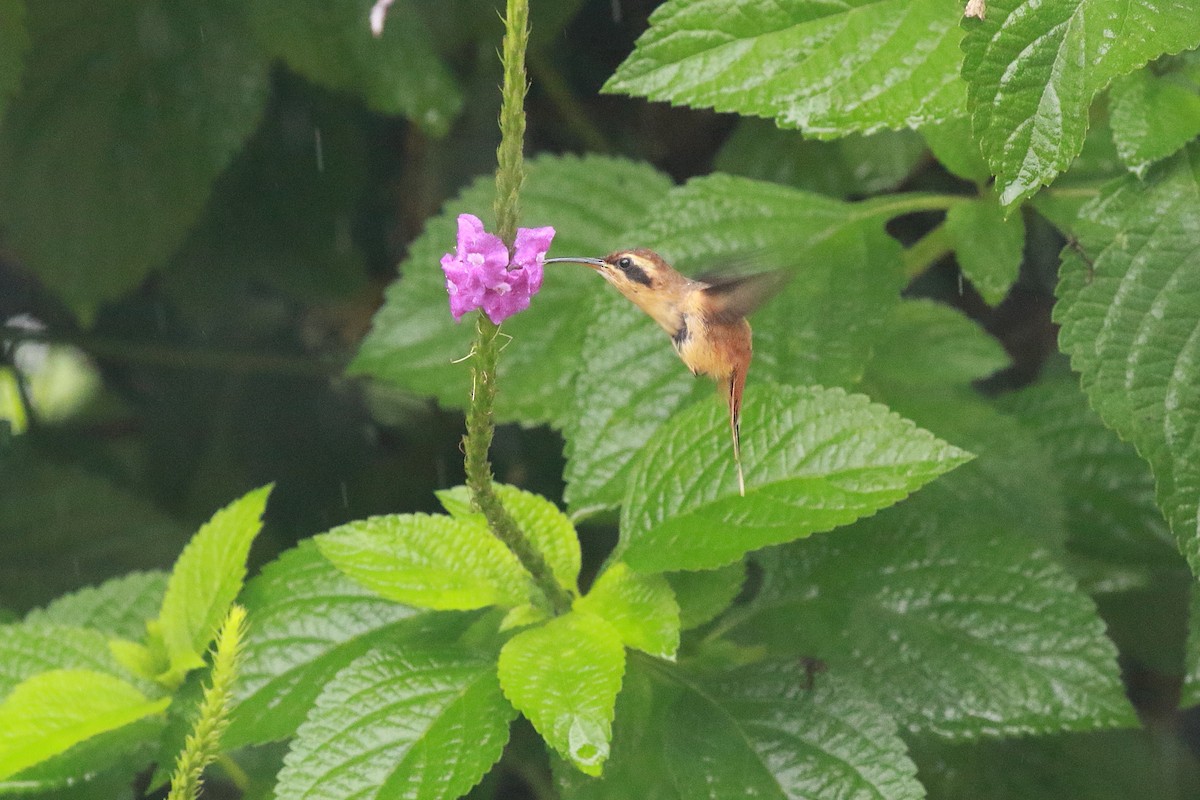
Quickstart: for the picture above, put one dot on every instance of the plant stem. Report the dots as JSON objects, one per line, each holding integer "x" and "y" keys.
{"x": 510, "y": 174}
{"x": 927, "y": 251}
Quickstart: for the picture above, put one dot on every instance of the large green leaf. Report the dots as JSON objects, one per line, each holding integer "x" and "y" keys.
{"x": 119, "y": 607}
{"x": 14, "y": 41}
{"x": 1152, "y": 116}
{"x": 951, "y": 622}
{"x": 400, "y": 723}
{"x": 590, "y": 201}
{"x": 814, "y": 459}
{"x": 26, "y": 650}
{"x": 564, "y": 677}
{"x": 839, "y": 261}
{"x": 428, "y": 561}
{"x": 330, "y": 42}
{"x": 308, "y": 620}
{"x": 206, "y": 578}
{"x": 1131, "y": 323}
{"x": 703, "y": 594}
{"x": 828, "y": 68}
{"x": 50, "y": 712}
{"x": 128, "y": 112}
{"x": 1033, "y": 66}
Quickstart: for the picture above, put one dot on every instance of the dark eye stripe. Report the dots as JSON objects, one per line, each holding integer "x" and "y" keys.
{"x": 635, "y": 274}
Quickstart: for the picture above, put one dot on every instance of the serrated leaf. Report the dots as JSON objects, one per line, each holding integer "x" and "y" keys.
{"x": 564, "y": 677}
{"x": 952, "y": 623}
{"x": 989, "y": 248}
{"x": 1131, "y": 323}
{"x": 839, "y": 259}
{"x": 48, "y": 713}
{"x": 1033, "y": 67}
{"x": 766, "y": 731}
{"x": 104, "y": 765}
{"x": 1152, "y": 117}
{"x": 641, "y": 608}
{"x": 127, "y": 114}
{"x": 955, "y": 148}
{"x": 14, "y": 41}
{"x": 206, "y": 578}
{"x": 400, "y": 723}
{"x": 26, "y": 650}
{"x": 331, "y": 43}
{"x": 702, "y": 595}
{"x": 814, "y": 459}
{"x": 309, "y": 621}
{"x": 549, "y": 530}
{"x": 413, "y": 339}
{"x": 119, "y": 607}
{"x": 428, "y": 561}
{"x": 827, "y": 69}
{"x": 852, "y": 166}
{"x": 1115, "y": 528}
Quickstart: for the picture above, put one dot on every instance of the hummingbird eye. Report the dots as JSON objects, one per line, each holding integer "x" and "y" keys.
{"x": 625, "y": 263}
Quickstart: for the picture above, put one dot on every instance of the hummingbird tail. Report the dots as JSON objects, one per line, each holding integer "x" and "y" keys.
{"x": 737, "y": 383}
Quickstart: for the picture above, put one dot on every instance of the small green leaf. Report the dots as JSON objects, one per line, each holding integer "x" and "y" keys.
{"x": 768, "y": 731}
{"x": 641, "y": 608}
{"x": 26, "y": 650}
{"x": 852, "y": 166}
{"x": 829, "y": 69}
{"x": 206, "y": 578}
{"x": 119, "y": 607}
{"x": 955, "y": 148}
{"x": 988, "y": 247}
{"x": 330, "y": 42}
{"x": 127, "y": 114}
{"x": 564, "y": 677}
{"x": 1131, "y": 324}
{"x": 814, "y": 459}
{"x": 1152, "y": 117}
{"x": 702, "y": 595}
{"x": 1033, "y": 67}
{"x": 549, "y": 530}
{"x": 952, "y": 623}
{"x": 309, "y": 621}
{"x": 14, "y": 41}
{"x": 590, "y": 201}
{"x": 428, "y": 561}
{"x": 50, "y": 712}
{"x": 400, "y": 723}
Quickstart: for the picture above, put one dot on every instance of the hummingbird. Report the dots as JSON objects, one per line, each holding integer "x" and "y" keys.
{"x": 705, "y": 318}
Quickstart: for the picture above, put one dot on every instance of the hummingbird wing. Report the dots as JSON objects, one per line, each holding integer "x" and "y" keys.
{"x": 737, "y": 297}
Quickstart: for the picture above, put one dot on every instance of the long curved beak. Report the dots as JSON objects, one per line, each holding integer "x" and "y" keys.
{"x": 594, "y": 263}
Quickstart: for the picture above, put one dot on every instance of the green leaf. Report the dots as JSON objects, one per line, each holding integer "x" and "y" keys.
{"x": 119, "y": 607}
{"x": 852, "y": 166}
{"x": 641, "y": 609}
{"x": 954, "y": 624}
{"x": 14, "y": 41}
{"x": 26, "y": 650}
{"x": 988, "y": 247}
{"x": 127, "y": 114}
{"x": 828, "y": 69}
{"x": 400, "y": 723}
{"x": 955, "y": 148}
{"x": 1033, "y": 67}
{"x": 1116, "y": 531}
{"x": 428, "y": 561}
{"x": 702, "y": 595}
{"x": 105, "y": 765}
{"x": 331, "y": 43}
{"x": 1152, "y": 116}
{"x": 764, "y": 731}
{"x": 309, "y": 621}
{"x": 206, "y": 578}
{"x": 549, "y": 530}
{"x": 564, "y": 677}
{"x": 1190, "y": 693}
{"x": 1131, "y": 324}
{"x": 814, "y": 458}
{"x": 840, "y": 261}
{"x": 590, "y": 202}
{"x": 50, "y": 712}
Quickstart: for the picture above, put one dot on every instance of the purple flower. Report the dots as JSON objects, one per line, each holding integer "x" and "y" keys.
{"x": 478, "y": 273}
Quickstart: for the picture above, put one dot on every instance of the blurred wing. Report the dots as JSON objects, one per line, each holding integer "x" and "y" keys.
{"x": 733, "y": 298}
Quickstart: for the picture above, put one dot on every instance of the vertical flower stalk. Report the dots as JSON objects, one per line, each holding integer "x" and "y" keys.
{"x": 510, "y": 175}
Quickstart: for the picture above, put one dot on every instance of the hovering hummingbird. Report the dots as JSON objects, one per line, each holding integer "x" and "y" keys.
{"x": 705, "y": 318}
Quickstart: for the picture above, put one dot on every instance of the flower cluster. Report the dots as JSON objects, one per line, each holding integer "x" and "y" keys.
{"x": 478, "y": 273}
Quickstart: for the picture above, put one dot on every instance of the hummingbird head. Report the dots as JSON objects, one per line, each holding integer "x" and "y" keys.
{"x": 634, "y": 273}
